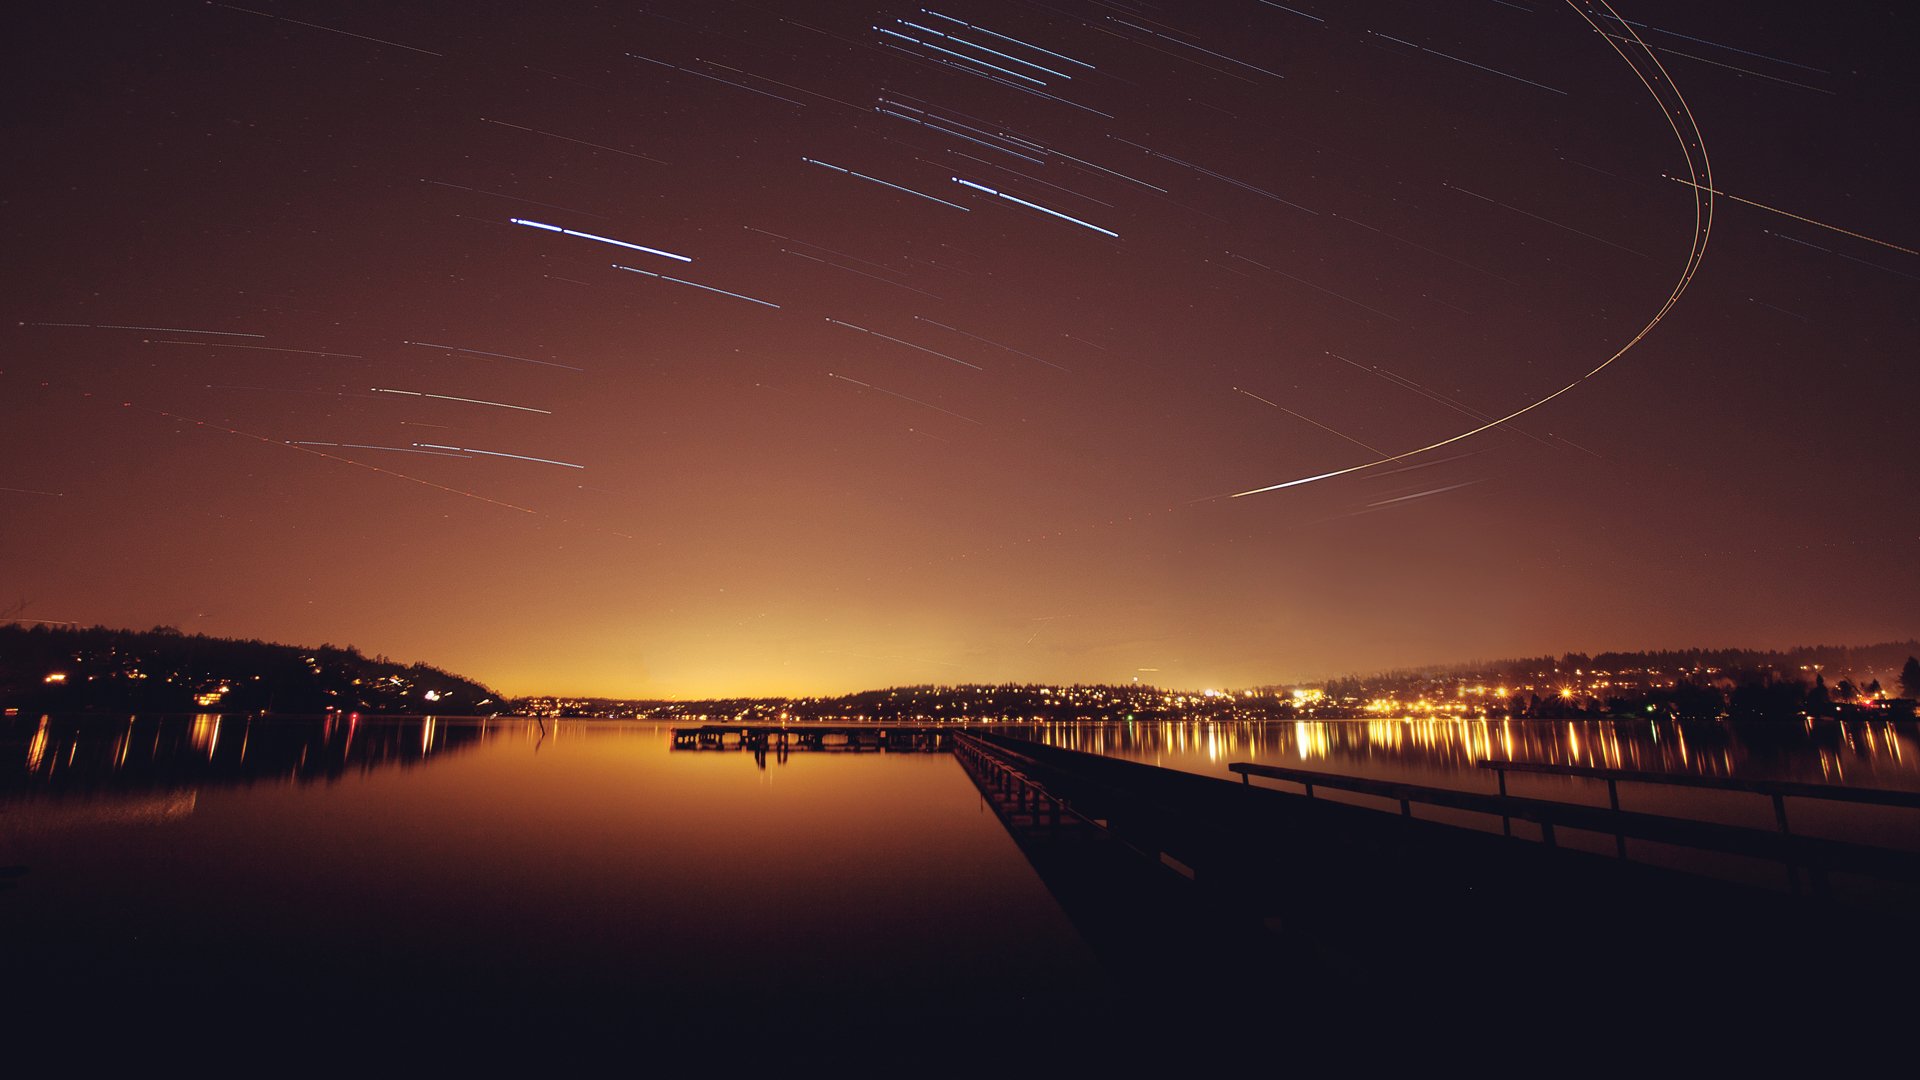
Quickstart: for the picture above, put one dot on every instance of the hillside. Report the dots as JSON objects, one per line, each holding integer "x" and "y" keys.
{"x": 71, "y": 670}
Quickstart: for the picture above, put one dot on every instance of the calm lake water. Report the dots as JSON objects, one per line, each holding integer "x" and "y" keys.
{"x": 195, "y": 867}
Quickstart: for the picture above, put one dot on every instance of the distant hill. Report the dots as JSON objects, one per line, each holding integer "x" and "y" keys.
{"x": 1859, "y": 662}
{"x": 69, "y": 670}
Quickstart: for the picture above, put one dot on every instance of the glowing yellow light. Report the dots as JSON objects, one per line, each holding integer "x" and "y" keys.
{"x": 57, "y": 677}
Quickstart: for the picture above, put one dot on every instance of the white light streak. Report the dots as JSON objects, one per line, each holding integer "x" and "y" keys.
{"x": 1003, "y": 37}
{"x": 884, "y": 183}
{"x": 468, "y": 400}
{"x": 156, "y": 329}
{"x": 366, "y": 446}
{"x": 983, "y": 48}
{"x": 496, "y": 453}
{"x": 908, "y": 344}
{"x": 256, "y": 348}
{"x": 962, "y": 56}
{"x": 601, "y": 239}
{"x": 1037, "y": 206}
{"x": 483, "y": 352}
{"x": 1423, "y": 494}
{"x": 697, "y": 285}
{"x": 903, "y": 397}
{"x": 1295, "y": 11}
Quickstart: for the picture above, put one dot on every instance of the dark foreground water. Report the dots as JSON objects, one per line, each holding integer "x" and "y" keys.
{"x": 241, "y": 876}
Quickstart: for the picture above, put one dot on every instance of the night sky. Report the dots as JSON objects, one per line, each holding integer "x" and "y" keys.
{"x": 958, "y": 329}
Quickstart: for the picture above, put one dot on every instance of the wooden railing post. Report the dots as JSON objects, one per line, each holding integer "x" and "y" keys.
{"x": 1613, "y": 800}
{"x": 1506, "y": 823}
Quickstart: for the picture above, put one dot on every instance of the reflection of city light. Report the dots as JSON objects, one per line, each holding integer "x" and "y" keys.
{"x": 206, "y": 732}
{"x": 37, "y": 749}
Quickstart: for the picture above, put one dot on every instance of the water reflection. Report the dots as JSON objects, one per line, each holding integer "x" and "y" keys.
{"x": 132, "y": 758}
{"x": 1447, "y": 752}
{"x": 479, "y": 873}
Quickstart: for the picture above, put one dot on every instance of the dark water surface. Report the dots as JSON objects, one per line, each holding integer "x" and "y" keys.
{"x": 430, "y": 867}
{"x": 583, "y": 876}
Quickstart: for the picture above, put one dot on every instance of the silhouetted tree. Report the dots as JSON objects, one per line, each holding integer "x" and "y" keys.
{"x": 1767, "y": 697}
{"x": 1818, "y": 696}
{"x": 1910, "y": 678}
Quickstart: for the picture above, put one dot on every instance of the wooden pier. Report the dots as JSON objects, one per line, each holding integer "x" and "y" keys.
{"x": 847, "y": 738}
{"x": 1140, "y": 913}
{"x": 1365, "y": 900}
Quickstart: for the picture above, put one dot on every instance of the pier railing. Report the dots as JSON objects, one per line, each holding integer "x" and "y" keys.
{"x": 1817, "y": 855}
{"x": 1777, "y": 790}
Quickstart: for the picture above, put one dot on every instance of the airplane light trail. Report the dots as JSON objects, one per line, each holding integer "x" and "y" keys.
{"x": 601, "y": 239}
{"x": 1693, "y": 149}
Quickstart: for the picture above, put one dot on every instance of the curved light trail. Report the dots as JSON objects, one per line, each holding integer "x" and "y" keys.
{"x": 1686, "y": 131}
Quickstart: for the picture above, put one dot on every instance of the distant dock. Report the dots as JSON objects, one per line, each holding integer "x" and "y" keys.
{"x": 850, "y": 738}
